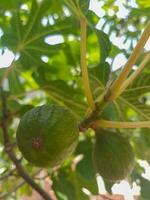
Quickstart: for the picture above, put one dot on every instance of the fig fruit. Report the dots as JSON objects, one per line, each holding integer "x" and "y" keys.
{"x": 113, "y": 156}
{"x": 47, "y": 135}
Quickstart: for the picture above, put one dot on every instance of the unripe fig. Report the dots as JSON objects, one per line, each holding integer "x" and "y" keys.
{"x": 47, "y": 135}
{"x": 113, "y": 156}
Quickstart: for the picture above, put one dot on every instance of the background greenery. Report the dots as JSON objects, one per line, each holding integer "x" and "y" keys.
{"x": 48, "y": 72}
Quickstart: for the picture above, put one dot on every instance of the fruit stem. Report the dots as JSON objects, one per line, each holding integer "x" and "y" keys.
{"x": 117, "y": 124}
{"x": 10, "y": 152}
{"x": 84, "y": 70}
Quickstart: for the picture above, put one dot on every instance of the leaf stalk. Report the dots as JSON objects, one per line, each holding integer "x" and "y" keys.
{"x": 83, "y": 62}
{"x": 117, "y": 124}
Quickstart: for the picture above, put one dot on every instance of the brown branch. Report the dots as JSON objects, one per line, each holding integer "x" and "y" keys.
{"x": 11, "y": 153}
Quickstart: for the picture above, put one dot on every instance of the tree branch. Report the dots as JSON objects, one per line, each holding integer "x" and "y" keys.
{"x": 11, "y": 153}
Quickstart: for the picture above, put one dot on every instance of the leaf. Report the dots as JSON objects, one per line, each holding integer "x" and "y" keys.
{"x": 143, "y": 183}
{"x": 104, "y": 44}
{"x": 84, "y": 5}
{"x": 96, "y": 86}
{"x": 110, "y": 112}
{"x": 17, "y": 109}
{"x": 85, "y": 166}
{"x": 61, "y": 92}
{"x": 15, "y": 84}
{"x": 141, "y": 140}
{"x": 26, "y": 33}
{"x": 101, "y": 72}
{"x": 143, "y": 11}
{"x": 133, "y": 102}
{"x": 62, "y": 186}
{"x": 61, "y": 95}
{"x": 9, "y": 5}
{"x": 134, "y": 96}
{"x": 25, "y": 190}
{"x": 143, "y": 3}
{"x": 68, "y": 185}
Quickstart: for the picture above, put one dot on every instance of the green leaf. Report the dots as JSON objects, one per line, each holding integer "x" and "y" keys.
{"x": 101, "y": 72}
{"x": 110, "y": 112}
{"x": 142, "y": 12}
{"x": 61, "y": 92}
{"x": 142, "y": 182}
{"x": 63, "y": 187}
{"x": 9, "y": 5}
{"x": 134, "y": 97}
{"x": 144, "y": 3}
{"x": 15, "y": 84}
{"x": 85, "y": 166}
{"x": 61, "y": 95}
{"x": 84, "y": 5}
{"x": 141, "y": 141}
{"x": 104, "y": 44}
{"x": 68, "y": 185}
{"x": 133, "y": 103}
{"x": 26, "y": 33}
{"x": 25, "y": 190}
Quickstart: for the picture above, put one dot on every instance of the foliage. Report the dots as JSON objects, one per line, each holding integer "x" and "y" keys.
{"x": 45, "y": 39}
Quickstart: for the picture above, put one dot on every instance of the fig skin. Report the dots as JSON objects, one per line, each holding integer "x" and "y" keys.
{"x": 113, "y": 156}
{"x": 47, "y": 135}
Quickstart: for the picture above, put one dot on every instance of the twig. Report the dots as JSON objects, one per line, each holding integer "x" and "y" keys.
{"x": 116, "y": 124}
{"x": 131, "y": 61}
{"x": 12, "y": 155}
{"x": 134, "y": 75}
{"x": 84, "y": 70}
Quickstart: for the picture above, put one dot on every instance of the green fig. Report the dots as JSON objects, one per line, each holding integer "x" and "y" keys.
{"x": 47, "y": 135}
{"x": 113, "y": 156}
